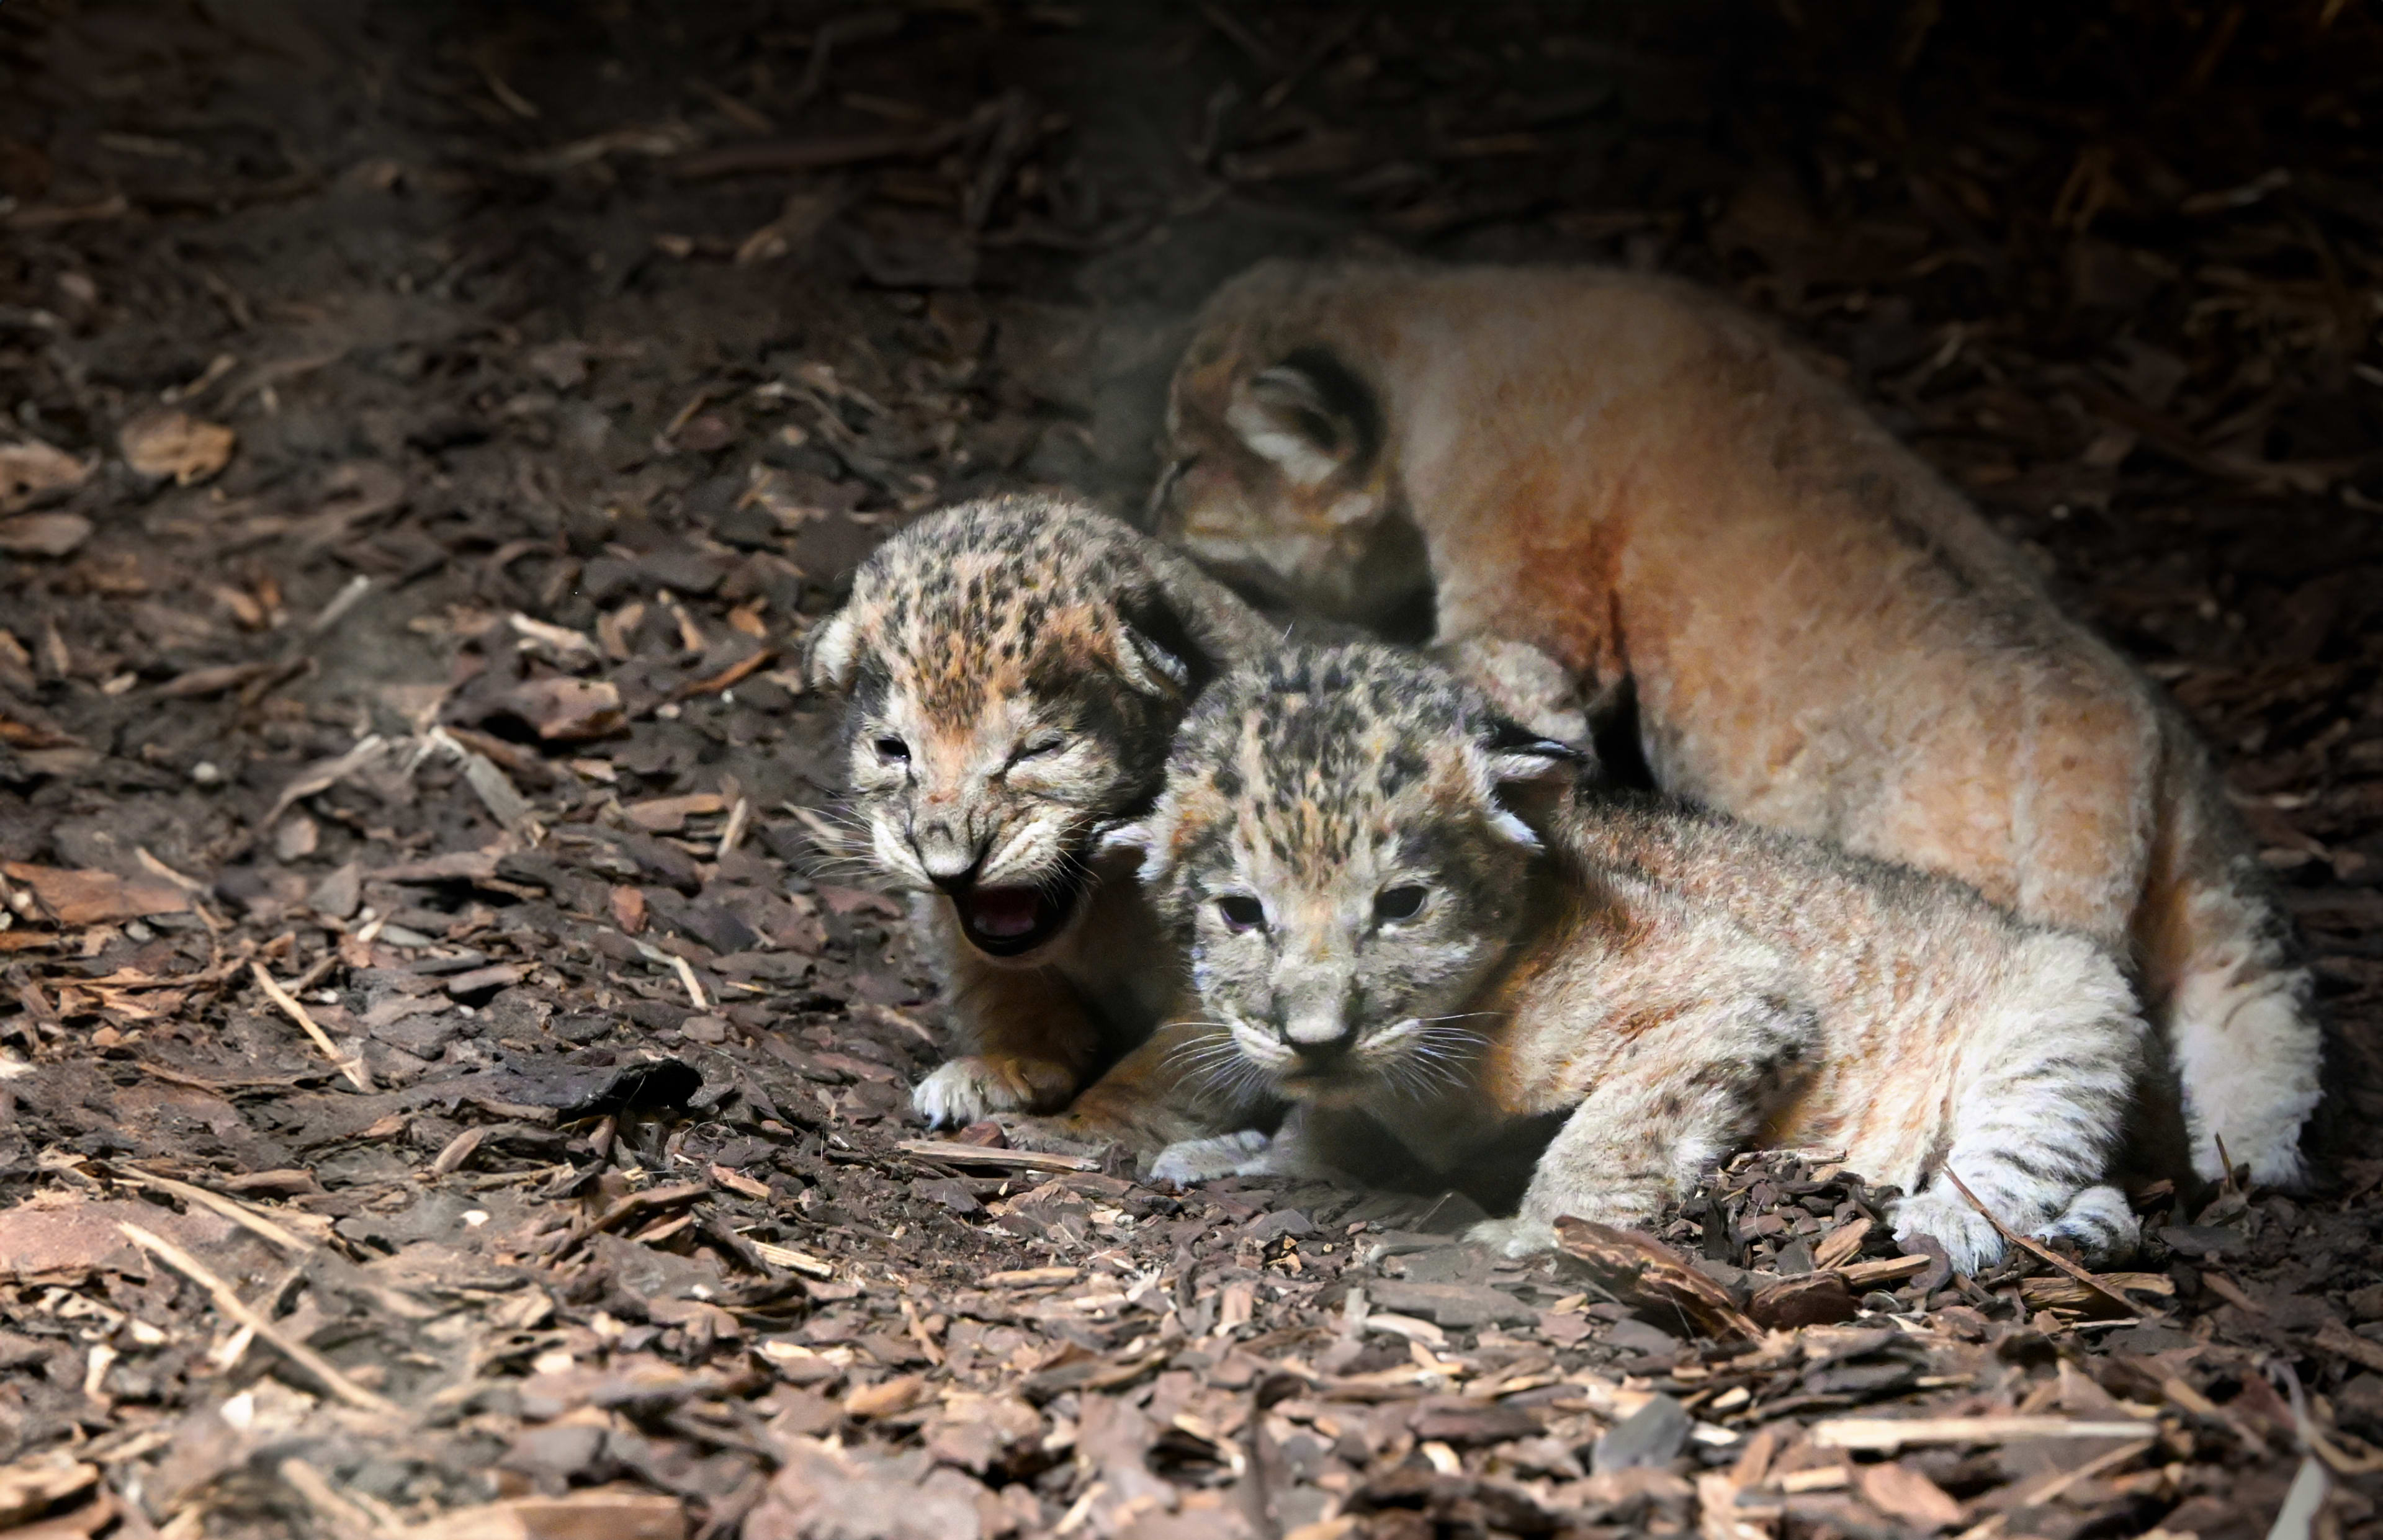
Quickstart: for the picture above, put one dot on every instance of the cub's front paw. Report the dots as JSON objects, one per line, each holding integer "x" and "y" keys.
{"x": 1517, "y": 1236}
{"x": 1970, "y": 1242}
{"x": 969, "y": 1090}
{"x": 1205, "y": 1160}
{"x": 1064, "y": 1135}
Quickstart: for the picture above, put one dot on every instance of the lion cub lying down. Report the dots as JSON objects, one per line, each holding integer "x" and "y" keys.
{"x": 1820, "y": 635}
{"x": 1343, "y": 847}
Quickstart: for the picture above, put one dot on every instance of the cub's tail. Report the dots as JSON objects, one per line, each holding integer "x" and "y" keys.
{"x": 2223, "y": 980}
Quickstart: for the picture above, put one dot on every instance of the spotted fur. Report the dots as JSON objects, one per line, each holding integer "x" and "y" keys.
{"x": 1016, "y": 669}
{"x": 1397, "y": 902}
{"x": 1818, "y": 634}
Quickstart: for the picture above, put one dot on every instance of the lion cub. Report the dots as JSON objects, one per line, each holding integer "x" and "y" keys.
{"x": 1016, "y": 669}
{"x": 1395, "y": 906}
{"x": 1819, "y": 635}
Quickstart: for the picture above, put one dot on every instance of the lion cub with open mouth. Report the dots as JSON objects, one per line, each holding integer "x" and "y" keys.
{"x": 1016, "y": 669}
{"x": 1396, "y": 904}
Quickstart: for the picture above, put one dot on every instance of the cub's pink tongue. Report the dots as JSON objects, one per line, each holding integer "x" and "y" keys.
{"x": 1003, "y": 912}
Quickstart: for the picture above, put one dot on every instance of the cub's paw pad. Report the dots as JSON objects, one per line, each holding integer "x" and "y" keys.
{"x": 1058, "y": 1136}
{"x": 1203, "y": 1160}
{"x": 1970, "y": 1242}
{"x": 968, "y": 1091}
{"x": 1517, "y": 1236}
{"x": 2100, "y": 1223}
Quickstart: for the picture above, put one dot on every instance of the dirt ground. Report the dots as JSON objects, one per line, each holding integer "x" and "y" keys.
{"x": 441, "y": 1094}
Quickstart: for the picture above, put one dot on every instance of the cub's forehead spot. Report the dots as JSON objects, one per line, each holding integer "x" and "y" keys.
{"x": 963, "y": 612}
{"x": 1325, "y": 755}
{"x": 1310, "y": 785}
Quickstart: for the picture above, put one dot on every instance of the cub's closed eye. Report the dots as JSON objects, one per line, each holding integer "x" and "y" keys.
{"x": 1242, "y": 912}
{"x": 1402, "y": 903}
{"x": 893, "y": 750}
{"x": 1038, "y": 748}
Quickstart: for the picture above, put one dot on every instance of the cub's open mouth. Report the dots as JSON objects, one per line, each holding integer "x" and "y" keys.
{"x": 1010, "y": 922}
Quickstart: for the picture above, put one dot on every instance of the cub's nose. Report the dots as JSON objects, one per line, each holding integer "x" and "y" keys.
{"x": 1320, "y": 1042}
{"x": 951, "y": 863}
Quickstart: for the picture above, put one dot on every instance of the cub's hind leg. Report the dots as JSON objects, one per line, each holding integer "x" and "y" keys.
{"x": 2222, "y": 977}
{"x": 1693, "y": 1090}
{"x": 1525, "y": 683}
{"x": 2049, "y": 1064}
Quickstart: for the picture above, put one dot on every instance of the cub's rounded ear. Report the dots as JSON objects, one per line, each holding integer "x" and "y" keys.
{"x": 1520, "y": 768}
{"x": 1137, "y": 836}
{"x": 1124, "y": 836}
{"x": 1309, "y": 416}
{"x": 1150, "y": 668}
{"x": 1173, "y": 628}
{"x": 833, "y": 655}
{"x": 1515, "y": 755}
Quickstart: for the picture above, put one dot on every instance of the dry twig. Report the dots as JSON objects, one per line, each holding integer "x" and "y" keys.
{"x": 239, "y": 1310}
{"x": 353, "y": 1068}
{"x": 2044, "y": 1254}
{"x": 1887, "y": 1434}
{"x": 238, "y": 1212}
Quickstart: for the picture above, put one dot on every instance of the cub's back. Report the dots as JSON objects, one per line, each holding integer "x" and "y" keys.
{"x": 1919, "y": 986}
{"x": 1864, "y": 932}
{"x": 1798, "y": 892}
{"x": 1502, "y": 392}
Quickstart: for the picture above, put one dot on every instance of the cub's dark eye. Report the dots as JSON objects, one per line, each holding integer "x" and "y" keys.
{"x": 1402, "y": 903}
{"x": 893, "y": 750}
{"x": 1241, "y": 913}
{"x": 1038, "y": 748}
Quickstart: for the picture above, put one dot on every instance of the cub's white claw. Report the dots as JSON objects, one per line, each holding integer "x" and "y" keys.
{"x": 1968, "y": 1241}
{"x": 1205, "y": 1160}
{"x": 2100, "y": 1222}
{"x": 1517, "y": 1236}
{"x": 965, "y": 1091}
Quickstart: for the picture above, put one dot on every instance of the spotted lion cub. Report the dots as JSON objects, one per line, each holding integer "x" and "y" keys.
{"x": 1396, "y": 904}
{"x": 1818, "y": 633}
{"x": 1016, "y": 669}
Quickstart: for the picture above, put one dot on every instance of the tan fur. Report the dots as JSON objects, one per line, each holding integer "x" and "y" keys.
{"x": 1016, "y": 669}
{"x": 1821, "y": 636}
{"x": 1376, "y": 930}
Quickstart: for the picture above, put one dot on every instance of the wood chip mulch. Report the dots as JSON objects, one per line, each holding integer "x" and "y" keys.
{"x": 445, "y": 1094}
